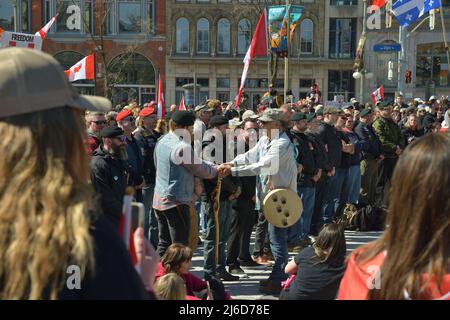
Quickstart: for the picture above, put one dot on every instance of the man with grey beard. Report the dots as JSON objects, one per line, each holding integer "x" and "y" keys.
{"x": 108, "y": 172}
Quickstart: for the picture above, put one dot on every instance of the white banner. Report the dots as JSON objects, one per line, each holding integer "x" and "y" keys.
{"x": 21, "y": 40}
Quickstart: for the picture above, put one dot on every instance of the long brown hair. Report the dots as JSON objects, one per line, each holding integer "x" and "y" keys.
{"x": 330, "y": 246}
{"x": 44, "y": 202}
{"x": 417, "y": 237}
{"x": 174, "y": 256}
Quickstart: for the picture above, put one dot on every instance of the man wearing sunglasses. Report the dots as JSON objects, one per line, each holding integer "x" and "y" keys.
{"x": 109, "y": 174}
{"x": 95, "y": 122}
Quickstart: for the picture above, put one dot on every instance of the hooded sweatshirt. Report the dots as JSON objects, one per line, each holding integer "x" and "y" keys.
{"x": 354, "y": 284}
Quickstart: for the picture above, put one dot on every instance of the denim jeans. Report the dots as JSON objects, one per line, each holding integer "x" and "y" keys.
{"x": 300, "y": 230}
{"x": 332, "y": 195}
{"x": 210, "y": 268}
{"x": 354, "y": 184}
{"x": 150, "y": 222}
{"x": 279, "y": 247}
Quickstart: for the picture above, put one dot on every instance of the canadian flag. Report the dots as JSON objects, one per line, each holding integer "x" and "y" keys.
{"x": 258, "y": 48}
{"x": 44, "y": 30}
{"x": 82, "y": 70}
{"x": 378, "y": 94}
{"x": 161, "y": 106}
{"x": 182, "y": 106}
{"x": 379, "y": 3}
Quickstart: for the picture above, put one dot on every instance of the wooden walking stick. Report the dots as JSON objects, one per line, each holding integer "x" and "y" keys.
{"x": 216, "y": 208}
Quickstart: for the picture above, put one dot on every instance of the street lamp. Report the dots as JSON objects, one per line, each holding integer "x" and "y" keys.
{"x": 361, "y": 74}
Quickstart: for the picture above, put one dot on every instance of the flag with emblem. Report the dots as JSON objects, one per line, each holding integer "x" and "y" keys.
{"x": 377, "y": 95}
{"x": 82, "y": 70}
{"x": 409, "y": 11}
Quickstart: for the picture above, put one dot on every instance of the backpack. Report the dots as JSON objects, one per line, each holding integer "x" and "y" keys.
{"x": 360, "y": 218}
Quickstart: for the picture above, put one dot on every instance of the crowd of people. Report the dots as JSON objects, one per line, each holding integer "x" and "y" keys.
{"x": 195, "y": 181}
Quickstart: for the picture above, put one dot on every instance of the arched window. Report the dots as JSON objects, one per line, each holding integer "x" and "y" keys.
{"x": 244, "y": 33}
{"x": 203, "y": 36}
{"x": 182, "y": 36}
{"x": 306, "y": 36}
{"x": 223, "y": 36}
{"x": 131, "y": 76}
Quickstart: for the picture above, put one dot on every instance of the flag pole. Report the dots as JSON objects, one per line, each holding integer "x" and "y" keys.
{"x": 444, "y": 35}
{"x": 268, "y": 48}
{"x": 286, "y": 58}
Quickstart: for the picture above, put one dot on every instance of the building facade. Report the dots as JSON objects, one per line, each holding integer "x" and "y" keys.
{"x": 127, "y": 38}
{"x": 208, "y": 40}
{"x": 425, "y": 58}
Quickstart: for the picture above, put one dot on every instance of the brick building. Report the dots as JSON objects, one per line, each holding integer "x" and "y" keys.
{"x": 127, "y": 37}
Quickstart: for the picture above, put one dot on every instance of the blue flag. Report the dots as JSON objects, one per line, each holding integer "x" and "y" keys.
{"x": 409, "y": 11}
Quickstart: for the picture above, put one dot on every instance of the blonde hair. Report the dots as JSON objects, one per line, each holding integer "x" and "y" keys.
{"x": 170, "y": 287}
{"x": 44, "y": 203}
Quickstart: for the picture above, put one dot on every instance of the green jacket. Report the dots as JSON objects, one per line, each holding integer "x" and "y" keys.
{"x": 389, "y": 134}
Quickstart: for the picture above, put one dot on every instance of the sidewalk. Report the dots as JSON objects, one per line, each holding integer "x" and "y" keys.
{"x": 248, "y": 288}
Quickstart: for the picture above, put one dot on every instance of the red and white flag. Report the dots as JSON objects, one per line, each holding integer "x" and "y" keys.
{"x": 82, "y": 70}
{"x": 378, "y": 94}
{"x": 258, "y": 48}
{"x": 182, "y": 107}
{"x": 161, "y": 106}
{"x": 379, "y": 3}
{"x": 44, "y": 30}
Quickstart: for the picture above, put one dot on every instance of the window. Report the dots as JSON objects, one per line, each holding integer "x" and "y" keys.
{"x": 432, "y": 67}
{"x": 182, "y": 36}
{"x": 203, "y": 36}
{"x": 223, "y": 36}
{"x": 203, "y": 92}
{"x": 223, "y": 89}
{"x": 15, "y": 15}
{"x": 382, "y": 63}
{"x": 223, "y": 83}
{"x": 130, "y": 16}
{"x": 244, "y": 34}
{"x": 342, "y": 38}
{"x": 305, "y": 87}
{"x": 74, "y": 16}
{"x": 306, "y": 36}
{"x": 341, "y": 82}
{"x": 343, "y": 2}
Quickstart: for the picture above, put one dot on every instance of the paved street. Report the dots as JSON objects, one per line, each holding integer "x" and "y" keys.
{"x": 248, "y": 288}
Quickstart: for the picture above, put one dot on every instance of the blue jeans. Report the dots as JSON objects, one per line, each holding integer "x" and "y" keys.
{"x": 353, "y": 185}
{"x": 300, "y": 230}
{"x": 332, "y": 196}
{"x": 278, "y": 245}
{"x": 210, "y": 267}
{"x": 150, "y": 221}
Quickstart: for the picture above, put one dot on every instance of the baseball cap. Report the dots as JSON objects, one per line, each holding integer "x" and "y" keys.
{"x": 330, "y": 110}
{"x": 33, "y": 81}
{"x": 203, "y": 107}
{"x": 270, "y": 115}
{"x": 249, "y": 114}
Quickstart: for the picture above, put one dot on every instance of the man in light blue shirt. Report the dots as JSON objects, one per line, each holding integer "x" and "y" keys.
{"x": 273, "y": 161}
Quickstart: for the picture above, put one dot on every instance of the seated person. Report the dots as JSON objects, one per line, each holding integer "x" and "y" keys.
{"x": 178, "y": 259}
{"x": 170, "y": 287}
{"x": 319, "y": 268}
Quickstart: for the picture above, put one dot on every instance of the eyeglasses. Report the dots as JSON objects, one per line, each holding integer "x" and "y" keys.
{"x": 99, "y": 122}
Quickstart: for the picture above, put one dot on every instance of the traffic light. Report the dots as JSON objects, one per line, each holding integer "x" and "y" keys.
{"x": 408, "y": 76}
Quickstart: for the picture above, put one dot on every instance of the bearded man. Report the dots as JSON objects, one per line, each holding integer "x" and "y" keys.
{"x": 108, "y": 172}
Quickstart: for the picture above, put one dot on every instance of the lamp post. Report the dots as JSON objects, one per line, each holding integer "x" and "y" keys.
{"x": 362, "y": 74}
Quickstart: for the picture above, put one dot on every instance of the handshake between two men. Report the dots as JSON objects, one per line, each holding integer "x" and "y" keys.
{"x": 224, "y": 170}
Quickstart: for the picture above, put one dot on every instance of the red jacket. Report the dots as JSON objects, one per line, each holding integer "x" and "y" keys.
{"x": 354, "y": 284}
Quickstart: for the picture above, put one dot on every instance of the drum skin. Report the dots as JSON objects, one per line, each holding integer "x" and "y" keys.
{"x": 282, "y": 207}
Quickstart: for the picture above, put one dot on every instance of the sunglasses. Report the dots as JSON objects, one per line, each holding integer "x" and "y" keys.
{"x": 99, "y": 122}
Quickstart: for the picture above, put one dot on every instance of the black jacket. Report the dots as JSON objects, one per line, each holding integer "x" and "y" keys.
{"x": 248, "y": 184}
{"x": 346, "y": 158}
{"x": 109, "y": 178}
{"x": 135, "y": 162}
{"x": 320, "y": 153}
{"x": 371, "y": 144}
{"x": 305, "y": 157}
{"x": 427, "y": 122}
{"x": 229, "y": 183}
{"x": 411, "y": 135}
{"x": 149, "y": 143}
{"x": 114, "y": 278}
{"x": 327, "y": 134}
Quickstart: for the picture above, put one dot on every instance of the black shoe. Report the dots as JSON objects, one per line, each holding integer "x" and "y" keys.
{"x": 225, "y": 276}
{"x": 271, "y": 288}
{"x": 250, "y": 263}
{"x": 235, "y": 270}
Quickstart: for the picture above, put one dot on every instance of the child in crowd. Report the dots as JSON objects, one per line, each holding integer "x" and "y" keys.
{"x": 170, "y": 287}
